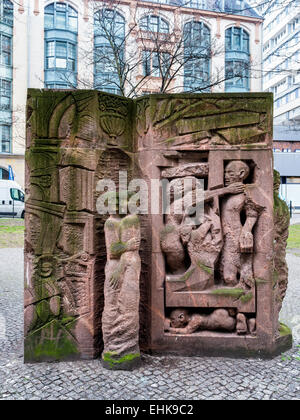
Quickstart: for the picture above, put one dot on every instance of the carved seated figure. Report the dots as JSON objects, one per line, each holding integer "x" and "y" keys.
{"x": 181, "y": 322}
{"x": 204, "y": 243}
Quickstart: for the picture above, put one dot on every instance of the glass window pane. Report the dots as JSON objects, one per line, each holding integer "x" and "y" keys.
{"x": 49, "y": 21}
{"x": 71, "y": 11}
{"x": 60, "y": 20}
{"x": 50, "y": 8}
{"x": 61, "y": 63}
{"x": 71, "y": 51}
{"x": 61, "y": 49}
{"x": 50, "y": 63}
{"x": 5, "y": 138}
{"x": 144, "y": 24}
{"x": 60, "y": 6}
{"x": 236, "y": 39}
{"x": 146, "y": 63}
{"x": 71, "y": 65}
{"x": 153, "y": 24}
{"x": 73, "y": 23}
{"x": 50, "y": 48}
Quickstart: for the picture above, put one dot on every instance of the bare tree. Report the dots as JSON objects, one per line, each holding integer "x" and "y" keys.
{"x": 150, "y": 55}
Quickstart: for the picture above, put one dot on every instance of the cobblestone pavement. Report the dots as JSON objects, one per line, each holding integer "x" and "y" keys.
{"x": 171, "y": 378}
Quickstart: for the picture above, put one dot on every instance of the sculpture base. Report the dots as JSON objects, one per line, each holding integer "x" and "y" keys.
{"x": 211, "y": 344}
{"x": 129, "y": 361}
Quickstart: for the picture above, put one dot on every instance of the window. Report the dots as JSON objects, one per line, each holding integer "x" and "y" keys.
{"x": 156, "y": 64}
{"x": 293, "y": 180}
{"x": 5, "y": 49}
{"x": 5, "y": 94}
{"x": 109, "y": 51}
{"x": 4, "y": 174}
{"x": 16, "y": 194}
{"x": 60, "y": 55}
{"x": 154, "y": 24}
{"x": 197, "y": 56}
{"x": 60, "y": 46}
{"x": 61, "y": 16}
{"x": 5, "y": 138}
{"x": 196, "y": 4}
{"x": 7, "y": 12}
{"x": 237, "y": 60}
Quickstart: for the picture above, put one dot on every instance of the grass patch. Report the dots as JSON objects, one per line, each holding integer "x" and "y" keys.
{"x": 11, "y": 233}
{"x": 294, "y": 237}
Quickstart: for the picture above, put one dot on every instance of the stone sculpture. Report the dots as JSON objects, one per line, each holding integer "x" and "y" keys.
{"x": 181, "y": 322}
{"x": 112, "y": 285}
{"x": 238, "y": 238}
{"x": 120, "y": 318}
{"x": 281, "y": 233}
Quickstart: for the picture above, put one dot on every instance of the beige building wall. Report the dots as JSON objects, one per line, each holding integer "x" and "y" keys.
{"x": 28, "y": 53}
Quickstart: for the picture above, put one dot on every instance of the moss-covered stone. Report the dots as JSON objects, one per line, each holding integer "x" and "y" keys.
{"x": 246, "y": 297}
{"x": 52, "y": 342}
{"x": 129, "y": 361}
{"x": 259, "y": 281}
{"x": 131, "y": 221}
{"x": 284, "y": 329}
{"x": 118, "y": 248}
{"x": 234, "y": 293}
{"x": 187, "y": 275}
{"x": 205, "y": 268}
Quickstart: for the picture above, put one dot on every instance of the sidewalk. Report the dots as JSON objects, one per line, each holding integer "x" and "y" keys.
{"x": 171, "y": 378}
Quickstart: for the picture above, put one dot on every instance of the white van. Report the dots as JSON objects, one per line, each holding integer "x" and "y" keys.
{"x": 12, "y": 199}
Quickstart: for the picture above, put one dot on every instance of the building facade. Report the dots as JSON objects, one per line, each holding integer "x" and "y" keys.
{"x": 281, "y": 59}
{"x": 62, "y": 45}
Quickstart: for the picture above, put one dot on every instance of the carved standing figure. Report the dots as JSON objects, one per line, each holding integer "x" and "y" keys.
{"x": 237, "y": 253}
{"x": 120, "y": 319}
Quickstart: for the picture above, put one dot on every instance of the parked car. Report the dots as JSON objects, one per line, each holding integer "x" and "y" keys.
{"x": 11, "y": 199}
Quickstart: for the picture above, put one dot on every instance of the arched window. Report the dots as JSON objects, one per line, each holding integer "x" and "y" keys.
{"x": 197, "y": 55}
{"x": 109, "y": 50}
{"x": 153, "y": 23}
{"x": 61, "y": 26}
{"x": 6, "y": 40}
{"x": 237, "y": 60}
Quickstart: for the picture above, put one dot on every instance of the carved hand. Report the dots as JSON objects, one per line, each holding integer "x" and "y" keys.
{"x": 167, "y": 324}
{"x": 133, "y": 244}
{"x": 235, "y": 188}
{"x": 246, "y": 242}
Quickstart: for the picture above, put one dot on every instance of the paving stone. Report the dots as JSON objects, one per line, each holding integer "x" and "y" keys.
{"x": 159, "y": 377}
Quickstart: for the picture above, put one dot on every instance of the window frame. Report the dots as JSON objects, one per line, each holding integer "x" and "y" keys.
{"x": 57, "y": 56}
{"x": 7, "y": 13}
{"x": 9, "y": 50}
{"x": 2, "y": 140}
{"x": 197, "y": 64}
{"x": 160, "y": 21}
{"x": 237, "y": 54}
{"x": 108, "y": 80}
{"x": 70, "y": 12}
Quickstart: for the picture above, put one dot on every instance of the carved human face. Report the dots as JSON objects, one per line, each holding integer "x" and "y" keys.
{"x": 179, "y": 318}
{"x": 235, "y": 171}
